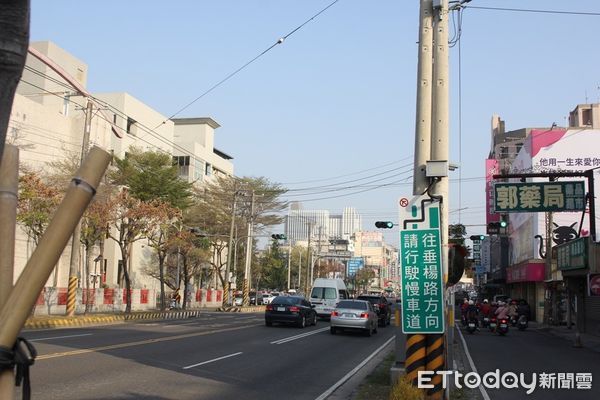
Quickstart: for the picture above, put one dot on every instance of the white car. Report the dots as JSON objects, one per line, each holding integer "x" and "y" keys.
{"x": 268, "y": 298}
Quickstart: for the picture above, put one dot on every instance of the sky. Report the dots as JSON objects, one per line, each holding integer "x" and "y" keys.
{"x": 330, "y": 112}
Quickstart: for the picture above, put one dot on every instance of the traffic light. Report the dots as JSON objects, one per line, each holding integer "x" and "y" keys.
{"x": 476, "y": 238}
{"x": 497, "y": 227}
{"x": 384, "y": 224}
{"x": 457, "y": 259}
{"x": 279, "y": 236}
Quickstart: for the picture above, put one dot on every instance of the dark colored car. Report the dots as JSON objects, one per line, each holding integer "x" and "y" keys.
{"x": 381, "y": 306}
{"x": 290, "y": 310}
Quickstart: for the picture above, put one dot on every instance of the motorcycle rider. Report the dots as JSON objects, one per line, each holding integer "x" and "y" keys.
{"x": 523, "y": 309}
{"x": 501, "y": 311}
{"x": 472, "y": 311}
{"x": 485, "y": 309}
{"x": 512, "y": 311}
{"x": 463, "y": 311}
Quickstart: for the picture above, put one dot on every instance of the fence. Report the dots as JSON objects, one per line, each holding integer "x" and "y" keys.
{"x": 52, "y": 300}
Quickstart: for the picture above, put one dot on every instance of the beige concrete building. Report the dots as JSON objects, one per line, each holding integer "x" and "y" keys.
{"x": 47, "y": 124}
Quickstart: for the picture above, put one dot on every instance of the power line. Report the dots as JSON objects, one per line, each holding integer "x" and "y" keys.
{"x": 534, "y": 11}
{"x": 348, "y": 174}
{"x": 232, "y": 74}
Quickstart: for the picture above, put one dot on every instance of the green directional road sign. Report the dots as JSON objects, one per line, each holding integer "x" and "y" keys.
{"x": 421, "y": 268}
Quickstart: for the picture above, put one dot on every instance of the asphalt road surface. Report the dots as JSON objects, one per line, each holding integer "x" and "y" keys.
{"x": 215, "y": 356}
{"x": 534, "y": 351}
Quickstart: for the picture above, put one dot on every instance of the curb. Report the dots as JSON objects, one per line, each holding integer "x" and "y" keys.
{"x": 35, "y": 323}
{"x": 250, "y": 309}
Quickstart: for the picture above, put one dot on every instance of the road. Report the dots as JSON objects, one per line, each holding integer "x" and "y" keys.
{"x": 533, "y": 351}
{"x": 215, "y": 356}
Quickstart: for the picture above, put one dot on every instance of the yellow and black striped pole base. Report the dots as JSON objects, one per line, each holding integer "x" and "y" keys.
{"x": 246, "y": 298}
{"x": 71, "y": 296}
{"x": 416, "y": 354}
{"x": 435, "y": 362}
{"x": 226, "y": 294}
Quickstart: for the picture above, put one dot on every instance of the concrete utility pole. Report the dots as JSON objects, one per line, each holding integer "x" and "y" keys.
{"x": 246, "y": 298}
{"x": 9, "y": 181}
{"x": 308, "y": 260}
{"x": 227, "y": 288}
{"x": 75, "y": 242}
{"x": 426, "y": 352}
{"x": 416, "y": 345}
{"x": 440, "y": 151}
{"x": 424, "y": 95}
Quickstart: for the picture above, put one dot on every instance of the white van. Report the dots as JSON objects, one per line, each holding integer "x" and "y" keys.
{"x": 326, "y": 293}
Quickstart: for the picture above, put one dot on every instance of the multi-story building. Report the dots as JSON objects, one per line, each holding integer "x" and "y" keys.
{"x": 47, "y": 123}
{"x": 531, "y": 271}
{"x": 321, "y": 223}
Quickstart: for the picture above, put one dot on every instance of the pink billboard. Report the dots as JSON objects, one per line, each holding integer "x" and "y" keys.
{"x": 491, "y": 169}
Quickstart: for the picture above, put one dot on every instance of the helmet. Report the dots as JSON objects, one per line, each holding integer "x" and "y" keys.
{"x": 471, "y": 302}
{"x": 485, "y": 301}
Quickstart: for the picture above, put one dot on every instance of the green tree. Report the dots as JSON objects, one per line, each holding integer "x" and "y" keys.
{"x": 160, "y": 238}
{"x": 274, "y": 267}
{"x": 131, "y": 220}
{"x": 363, "y": 278}
{"x": 213, "y": 211}
{"x": 151, "y": 175}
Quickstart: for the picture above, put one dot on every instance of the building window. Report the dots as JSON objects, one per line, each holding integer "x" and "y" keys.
{"x": 586, "y": 117}
{"x": 183, "y": 164}
{"x": 198, "y": 169}
{"x": 208, "y": 170}
{"x": 131, "y": 127}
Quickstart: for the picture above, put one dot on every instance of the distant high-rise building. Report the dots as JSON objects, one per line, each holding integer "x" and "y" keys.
{"x": 336, "y": 226}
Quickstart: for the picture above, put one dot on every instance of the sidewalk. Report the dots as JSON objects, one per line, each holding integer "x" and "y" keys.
{"x": 587, "y": 340}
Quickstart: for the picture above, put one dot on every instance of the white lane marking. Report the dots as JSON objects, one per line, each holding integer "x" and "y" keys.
{"x": 302, "y": 335}
{"x": 349, "y": 375}
{"x": 213, "y": 360}
{"x": 60, "y": 337}
{"x": 472, "y": 364}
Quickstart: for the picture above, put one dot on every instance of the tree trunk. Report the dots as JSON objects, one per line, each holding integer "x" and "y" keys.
{"x": 124, "y": 259}
{"x": 88, "y": 261}
{"x": 186, "y": 281}
{"x": 161, "y": 272}
{"x": 14, "y": 40}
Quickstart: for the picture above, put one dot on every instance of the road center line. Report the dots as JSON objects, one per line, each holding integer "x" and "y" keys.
{"x": 302, "y": 335}
{"x": 139, "y": 343}
{"x": 60, "y": 337}
{"x": 213, "y": 360}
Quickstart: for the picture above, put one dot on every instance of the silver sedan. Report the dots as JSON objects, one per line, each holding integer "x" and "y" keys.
{"x": 354, "y": 314}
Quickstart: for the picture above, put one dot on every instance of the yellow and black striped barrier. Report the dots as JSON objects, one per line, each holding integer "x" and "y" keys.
{"x": 79, "y": 320}
{"x": 416, "y": 356}
{"x": 435, "y": 362}
{"x": 71, "y": 296}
